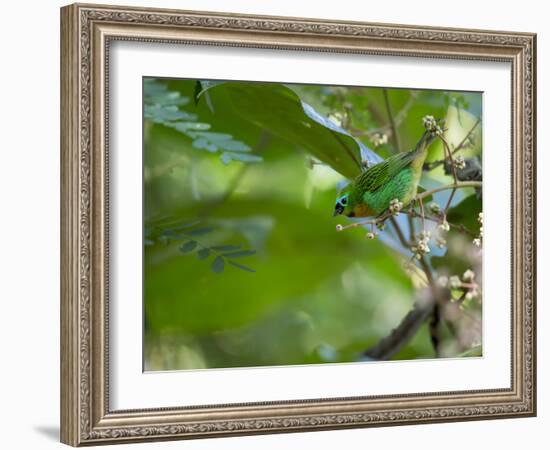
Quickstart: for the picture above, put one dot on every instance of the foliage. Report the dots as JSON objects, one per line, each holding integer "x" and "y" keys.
{"x": 242, "y": 264}
{"x": 162, "y": 106}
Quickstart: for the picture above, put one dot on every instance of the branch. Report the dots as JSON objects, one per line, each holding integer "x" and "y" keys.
{"x": 463, "y": 142}
{"x": 434, "y": 330}
{"x": 399, "y": 233}
{"x": 409, "y": 325}
{"x": 390, "y": 345}
{"x": 403, "y": 333}
{"x": 459, "y": 185}
{"x": 453, "y": 168}
{"x": 398, "y": 119}
{"x": 372, "y": 222}
{"x": 207, "y": 209}
{"x": 412, "y": 213}
{"x": 460, "y": 146}
{"x": 395, "y": 136}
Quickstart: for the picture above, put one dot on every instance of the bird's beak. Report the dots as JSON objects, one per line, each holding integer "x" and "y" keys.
{"x": 338, "y": 209}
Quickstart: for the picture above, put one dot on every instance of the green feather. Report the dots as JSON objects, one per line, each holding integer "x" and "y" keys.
{"x": 378, "y": 175}
{"x": 395, "y": 178}
{"x": 400, "y": 186}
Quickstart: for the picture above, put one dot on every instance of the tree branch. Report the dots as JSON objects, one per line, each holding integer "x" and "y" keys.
{"x": 206, "y": 210}
{"x": 459, "y": 227}
{"x": 459, "y": 185}
{"x": 398, "y": 119}
{"x": 453, "y": 169}
{"x": 434, "y": 330}
{"x": 409, "y": 325}
{"x": 395, "y": 136}
{"x": 460, "y": 146}
{"x": 387, "y": 347}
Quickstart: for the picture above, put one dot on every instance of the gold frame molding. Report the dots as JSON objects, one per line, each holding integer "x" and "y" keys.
{"x": 86, "y": 32}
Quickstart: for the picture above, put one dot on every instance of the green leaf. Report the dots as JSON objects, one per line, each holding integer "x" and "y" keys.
{"x": 276, "y": 108}
{"x": 202, "y": 143}
{"x": 213, "y": 136}
{"x": 240, "y": 254}
{"x": 166, "y": 98}
{"x": 163, "y": 114}
{"x": 199, "y": 231}
{"x": 184, "y": 127}
{"x": 240, "y": 266}
{"x": 202, "y": 86}
{"x": 203, "y": 253}
{"x": 227, "y": 157}
{"x": 170, "y": 233}
{"x": 152, "y": 87}
{"x": 185, "y": 225}
{"x": 213, "y": 142}
{"x": 290, "y": 250}
{"x": 466, "y": 213}
{"x": 218, "y": 265}
{"x": 225, "y": 248}
{"x": 189, "y": 246}
{"x": 234, "y": 146}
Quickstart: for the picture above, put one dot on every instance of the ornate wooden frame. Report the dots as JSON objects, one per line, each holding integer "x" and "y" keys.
{"x": 86, "y": 31}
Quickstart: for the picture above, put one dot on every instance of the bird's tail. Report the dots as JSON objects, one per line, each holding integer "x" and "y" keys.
{"x": 418, "y": 154}
{"x": 427, "y": 138}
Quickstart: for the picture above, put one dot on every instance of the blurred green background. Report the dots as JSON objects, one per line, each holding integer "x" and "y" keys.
{"x": 242, "y": 264}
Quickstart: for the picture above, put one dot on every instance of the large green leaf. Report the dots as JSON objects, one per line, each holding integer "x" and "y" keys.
{"x": 277, "y": 109}
{"x": 466, "y": 213}
{"x": 303, "y": 251}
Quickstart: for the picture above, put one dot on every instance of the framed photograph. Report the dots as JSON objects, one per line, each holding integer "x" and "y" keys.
{"x": 276, "y": 225}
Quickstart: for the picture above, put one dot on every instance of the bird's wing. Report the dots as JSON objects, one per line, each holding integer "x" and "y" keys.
{"x": 376, "y": 176}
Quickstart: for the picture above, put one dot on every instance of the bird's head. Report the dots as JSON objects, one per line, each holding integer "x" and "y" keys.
{"x": 349, "y": 203}
{"x": 343, "y": 205}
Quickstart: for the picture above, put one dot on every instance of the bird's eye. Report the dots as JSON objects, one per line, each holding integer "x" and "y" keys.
{"x": 344, "y": 201}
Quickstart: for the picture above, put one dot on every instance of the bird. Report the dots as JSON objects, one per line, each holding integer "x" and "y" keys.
{"x": 372, "y": 192}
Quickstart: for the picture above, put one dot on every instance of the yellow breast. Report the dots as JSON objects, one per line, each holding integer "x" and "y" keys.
{"x": 362, "y": 210}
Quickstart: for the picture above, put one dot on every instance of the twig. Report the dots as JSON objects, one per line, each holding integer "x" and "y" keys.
{"x": 460, "y": 227}
{"x": 459, "y": 185}
{"x": 400, "y": 116}
{"x": 434, "y": 330}
{"x": 376, "y": 221}
{"x": 463, "y": 141}
{"x": 399, "y": 233}
{"x": 460, "y": 146}
{"x": 398, "y": 119}
{"x": 438, "y": 299}
{"x": 403, "y": 333}
{"x": 395, "y": 136}
{"x": 409, "y": 325}
{"x": 412, "y": 232}
{"x": 422, "y": 214}
{"x": 207, "y": 209}
{"x": 453, "y": 168}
